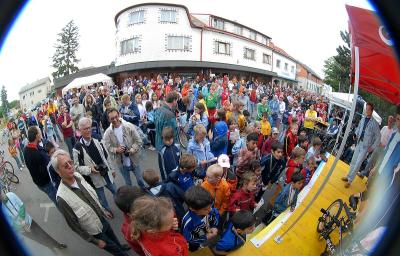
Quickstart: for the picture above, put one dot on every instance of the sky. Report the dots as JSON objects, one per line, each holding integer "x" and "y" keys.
{"x": 308, "y": 30}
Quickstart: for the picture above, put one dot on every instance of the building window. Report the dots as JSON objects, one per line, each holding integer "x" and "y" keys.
{"x": 286, "y": 66}
{"x": 219, "y": 24}
{"x": 39, "y": 91}
{"x": 249, "y": 54}
{"x": 292, "y": 69}
{"x": 278, "y": 63}
{"x": 238, "y": 30}
{"x": 136, "y": 17}
{"x": 181, "y": 43}
{"x": 222, "y": 48}
{"x": 168, "y": 16}
{"x": 266, "y": 58}
{"x": 130, "y": 46}
{"x": 253, "y": 35}
{"x": 23, "y": 97}
{"x": 264, "y": 40}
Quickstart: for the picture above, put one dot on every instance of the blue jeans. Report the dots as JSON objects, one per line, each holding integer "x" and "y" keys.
{"x": 18, "y": 162}
{"x": 127, "y": 176}
{"x": 113, "y": 246}
{"x": 70, "y": 141}
{"x": 101, "y": 194}
{"x": 50, "y": 191}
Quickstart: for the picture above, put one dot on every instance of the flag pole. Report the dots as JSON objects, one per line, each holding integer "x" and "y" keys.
{"x": 278, "y": 239}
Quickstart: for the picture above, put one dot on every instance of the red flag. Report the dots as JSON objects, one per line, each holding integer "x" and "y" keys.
{"x": 379, "y": 69}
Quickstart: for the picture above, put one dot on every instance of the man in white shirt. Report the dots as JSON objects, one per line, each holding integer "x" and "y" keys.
{"x": 386, "y": 133}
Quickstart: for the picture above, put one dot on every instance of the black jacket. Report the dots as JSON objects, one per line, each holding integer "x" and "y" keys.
{"x": 37, "y": 166}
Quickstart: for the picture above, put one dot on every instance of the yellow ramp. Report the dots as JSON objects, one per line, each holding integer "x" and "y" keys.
{"x": 302, "y": 239}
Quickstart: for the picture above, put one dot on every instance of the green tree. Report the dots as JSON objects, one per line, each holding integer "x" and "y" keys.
{"x": 4, "y": 102}
{"x": 64, "y": 58}
{"x": 14, "y": 104}
{"x": 337, "y": 70}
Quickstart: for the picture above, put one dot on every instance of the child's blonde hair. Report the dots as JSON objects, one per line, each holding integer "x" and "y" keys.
{"x": 214, "y": 170}
{"x": 248, "y": 177}
{"x": 148, "y": 213}
{"x": 298, "y": 152}
{"x": 199, "y": 129}
{"x": 151, "y": 177}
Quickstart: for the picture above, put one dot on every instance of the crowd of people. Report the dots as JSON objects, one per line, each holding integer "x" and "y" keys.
{"x": 245, "y": 137}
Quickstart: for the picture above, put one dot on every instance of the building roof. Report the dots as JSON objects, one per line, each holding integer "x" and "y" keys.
{"x": 310, "y": 70}
{"x": 63, "y": 81}
{"x": 35, "y": 84}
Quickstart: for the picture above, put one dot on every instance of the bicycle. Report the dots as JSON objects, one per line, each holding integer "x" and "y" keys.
{"x": 7, "y": 171}
{"x": 332, "y": 220}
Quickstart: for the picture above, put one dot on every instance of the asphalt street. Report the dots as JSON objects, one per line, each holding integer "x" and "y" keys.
{"x": 43, "y": 211}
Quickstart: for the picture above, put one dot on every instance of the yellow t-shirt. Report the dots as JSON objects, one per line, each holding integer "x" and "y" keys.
{"x": 308, "y": 123}
{"x": 51, "y": 109}
{"x": 265, "y": 128}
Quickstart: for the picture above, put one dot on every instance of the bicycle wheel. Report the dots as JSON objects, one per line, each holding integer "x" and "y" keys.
{"x": 9, "y": 172}
{"x": 183, "y": 138}
{"x": 332, "y": 213}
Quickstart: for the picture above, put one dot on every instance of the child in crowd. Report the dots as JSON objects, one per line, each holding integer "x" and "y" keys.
{"x": 12, "y": 149}
{"x": 233, "y": 137}
{"x": 274, "y": 165}
{"x": 199, "y": 146}
{"x": 104, "y": 118}
{"x": 200, "y": 223}
{"x": 24, "y": 141}
{"x": 267, "y": 145}
{"x": 315, "y": 150}
{"x": 290, "y": 140}
{"x": 150, "y": 124}
{"x": 288, "y": 196}
{"x": 219, "y": 143}
{"x": 303, "y": 142}
{"x": 243, "y": 199}
{"x": 124, "y": 199}
{"x": 153, "y": 226}
{"x": 247, "y": 154}
{"x": 199, "y": 117}
{"x": 183, "y": 174}
{"x": 265, "y": 125}
{"x": 308, "y": 171}
{"x": 247, "y": 116}
{"x": 241, "y": 224}
{"x": 96, "y": 133}
{"x": 295, "y": 163}
{"x": 256, "y": 169}
{"x": 218, "y": 187}
{"x": 168, "y": 156}
{"x": 166, "y": 189}
{"x": 50, "y": 148}
{"x": 228, "y": 174}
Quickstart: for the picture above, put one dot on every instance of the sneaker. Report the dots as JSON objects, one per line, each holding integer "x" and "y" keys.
{"x": 152, "y": 148}
{"x": 345, "y": 179}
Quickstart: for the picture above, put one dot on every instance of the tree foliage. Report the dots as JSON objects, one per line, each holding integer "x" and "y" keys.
{"x": 337, "y": 75}
{"x": 4, "y": 102}
{"x": 14, "y": 104}
{"x": 64, "y": 58}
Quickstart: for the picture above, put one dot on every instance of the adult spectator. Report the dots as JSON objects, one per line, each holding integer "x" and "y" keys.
{"x": 21, "y": 221}
{"x": 32, "y": 120}
{"x": 65, "y": 122}
{"x": 89, "y": 104}
{"x": 105, "y": 95}
{"x": 37, "y": 164}
{"x": 386, "y": 133}
{"x": 129, "y": 110}
{"x": 123, "y": 142}
{"x": 262, "y": 106}
{"x": 81, "y": 208}
{"x": 310, "y": 119}
{"x": 368, "y": 138}
{"x": 91, "y": 160}
{"x": 165, "y": 116}
{"x": 282, "y": 108}
{"x": 52, "y": 111}
{"x": 274, "y": 107}
{"x": 77, "y": 111}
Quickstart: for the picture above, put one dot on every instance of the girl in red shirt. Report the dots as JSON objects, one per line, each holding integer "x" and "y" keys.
{"x": 153, "y": 226}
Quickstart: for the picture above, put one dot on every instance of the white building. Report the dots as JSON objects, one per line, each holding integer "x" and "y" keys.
{"x": 33, "y": 93}
{"x": 158, "y": 35}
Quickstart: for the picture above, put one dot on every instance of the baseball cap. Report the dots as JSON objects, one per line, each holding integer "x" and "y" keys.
{"x": 275, "y": 130}
{"x": 223, "y": 161}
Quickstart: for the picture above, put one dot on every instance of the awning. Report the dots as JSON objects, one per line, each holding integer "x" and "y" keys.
{"x": 85, "y": 81}
{"x": 379, "y": 68}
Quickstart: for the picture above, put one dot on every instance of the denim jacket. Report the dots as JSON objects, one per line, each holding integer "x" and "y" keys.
{"x": 281, "y": 202}
{"x": 200, "y": 154}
